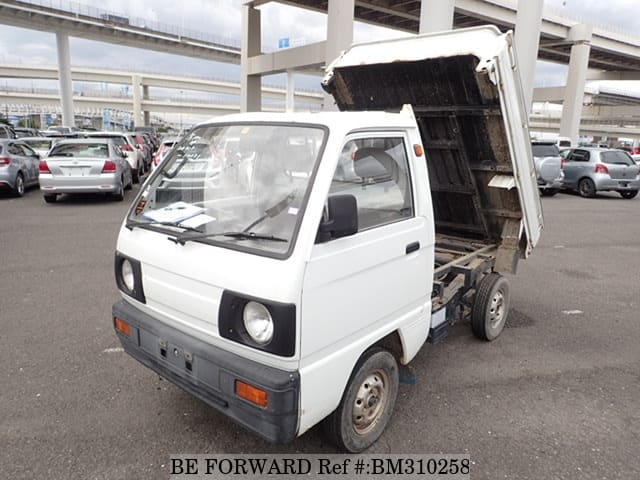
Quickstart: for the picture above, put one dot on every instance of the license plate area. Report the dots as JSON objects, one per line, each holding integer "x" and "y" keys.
{"x": 75, "y": 171}
{"x": 176, "y": 355}
{"x": 180, "y": 359}
{"x": 623, "y": 184}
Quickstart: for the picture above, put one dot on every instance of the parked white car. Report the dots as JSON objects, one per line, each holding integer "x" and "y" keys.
{"x": 134, "y": 156}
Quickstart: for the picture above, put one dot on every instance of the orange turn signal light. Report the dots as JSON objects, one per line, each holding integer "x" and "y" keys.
{"x": 253, "y": 394}
{"x": 122, "y": 326}
{"x": 417, "y": 148}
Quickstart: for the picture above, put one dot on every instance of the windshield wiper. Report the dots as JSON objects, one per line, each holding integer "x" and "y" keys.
{"x": 182, "y": 239}
{"x": 274, "y": 211}
{"x": 167, "y": 224}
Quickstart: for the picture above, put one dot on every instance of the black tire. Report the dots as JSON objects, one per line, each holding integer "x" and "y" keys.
{"x": 629, "y": 194}
{"x": 549, "y": 192}
{"x": 50, "y": 198}
{"x": 586, "y": 188}
{"x": 129, "y": 185}
{"x": 135, "y": 176}
{"x": 490, "y": 307}
{"x": 367, "y": 402}
{"x": 119, "y": 195}
{"x": 18, "y": 189}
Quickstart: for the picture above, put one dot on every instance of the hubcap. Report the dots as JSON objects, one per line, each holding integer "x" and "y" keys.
{"x": 371, "y": 401}
{"x": 496, "y": 309}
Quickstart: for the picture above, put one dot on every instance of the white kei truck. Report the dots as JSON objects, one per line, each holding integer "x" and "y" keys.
{"x": 283, "y": 267}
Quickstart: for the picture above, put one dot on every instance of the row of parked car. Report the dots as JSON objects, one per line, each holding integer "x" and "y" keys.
{"x": 110, "y": 162}
{"x": 93, "y": 162}
{"x": 587, "y": 170}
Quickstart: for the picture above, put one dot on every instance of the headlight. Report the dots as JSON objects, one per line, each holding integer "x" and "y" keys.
{"x": 258, "y": 322}
{"x": 127, "y": 275}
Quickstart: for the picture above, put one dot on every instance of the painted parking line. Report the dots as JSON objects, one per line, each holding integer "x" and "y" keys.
{"x": 113, "y": 350}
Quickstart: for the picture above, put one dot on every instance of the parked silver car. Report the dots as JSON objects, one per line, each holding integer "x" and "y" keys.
{"x": 134, "y": 156}
{"x": 94, "y": 165}
{"x": 548, "y": 163}
{"x": 18, "y": 166}
{"x": 591, "y": 169}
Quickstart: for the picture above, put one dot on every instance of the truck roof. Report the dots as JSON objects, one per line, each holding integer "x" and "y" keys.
{"x": 334, "y": 120}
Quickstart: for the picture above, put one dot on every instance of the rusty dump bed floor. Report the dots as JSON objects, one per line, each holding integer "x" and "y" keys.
{"x": 459, "y": 115}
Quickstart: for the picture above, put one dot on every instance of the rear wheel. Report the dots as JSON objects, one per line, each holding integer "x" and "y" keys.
{"x": 629, "y": 193}
{"x": 367, "y": 402}
{"x": 18, "y": 189}
{"x": 549, "y": 192}
{"x": 50, "y": 198}
{"x": 119, "y": 195}
{"x": 587, "y": 188}
{"x": 491, "y": 307}
{"x": 135, "y": 175}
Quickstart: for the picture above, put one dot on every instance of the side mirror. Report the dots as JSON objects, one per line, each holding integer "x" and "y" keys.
{"x": 342, "y": 220}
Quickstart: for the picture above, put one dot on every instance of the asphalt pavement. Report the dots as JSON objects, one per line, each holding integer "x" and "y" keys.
{"x": 557, "y": 396}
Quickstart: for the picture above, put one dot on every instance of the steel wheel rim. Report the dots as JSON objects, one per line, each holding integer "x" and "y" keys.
{"x": 496, "y": 310}
{"x": 371, "y": 401}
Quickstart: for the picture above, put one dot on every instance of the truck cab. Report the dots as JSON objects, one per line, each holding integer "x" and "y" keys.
{"x": 286, "y": 281}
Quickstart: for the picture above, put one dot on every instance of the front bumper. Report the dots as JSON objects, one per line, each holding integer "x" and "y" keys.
{"x": 209, "y": 373}
{"x": 103, "y": 183}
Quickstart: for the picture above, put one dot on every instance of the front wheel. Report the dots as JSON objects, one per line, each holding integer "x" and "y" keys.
{"x": 628, "y": 194}
{"x": 50, "y": 198}
{"x": 491, "y": 307}
{"x": 587, "y": 188}
{"x": 367, "y": 402}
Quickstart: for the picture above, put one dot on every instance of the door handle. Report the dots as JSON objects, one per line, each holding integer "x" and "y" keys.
{"x": 412, "y": 247}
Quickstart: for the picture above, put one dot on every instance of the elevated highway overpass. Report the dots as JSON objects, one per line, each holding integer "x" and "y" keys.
{"x": 591, "y": 52}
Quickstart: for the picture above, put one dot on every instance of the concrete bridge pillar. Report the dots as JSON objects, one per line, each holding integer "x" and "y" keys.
{"x": 290, "y": 103}
{"x": 64, "y": 76}
{"x": 576, "y": 80}
{"x": 250, "y": 85}
{"x": 527, "y": 41}
{"x": 136, "y": 89}
{"x": 340, "y": 15}
{"x": 436, "y": 15}
{"x": 146, "y": 113}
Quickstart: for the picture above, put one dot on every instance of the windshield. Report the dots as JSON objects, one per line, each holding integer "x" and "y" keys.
{"x": 545, "y": 150}
{"x": 242, "y": 186}
{"x": 616, "y": 157}
{"x": 117, "y": 139}
{"x": 81, "y": 150}
{"x": 39, "y": 144}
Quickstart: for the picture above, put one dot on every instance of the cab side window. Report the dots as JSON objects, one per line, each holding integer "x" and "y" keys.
{"x": 375, "y": 171}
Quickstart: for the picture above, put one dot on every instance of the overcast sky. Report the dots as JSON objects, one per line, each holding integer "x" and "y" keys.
{"x": 222, "y": 19}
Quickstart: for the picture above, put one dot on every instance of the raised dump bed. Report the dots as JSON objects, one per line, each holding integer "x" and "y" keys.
{"x": 472, "y": 125}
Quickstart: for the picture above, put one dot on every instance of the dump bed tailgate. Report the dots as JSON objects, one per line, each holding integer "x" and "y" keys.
{"x": 465, "y": 91}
